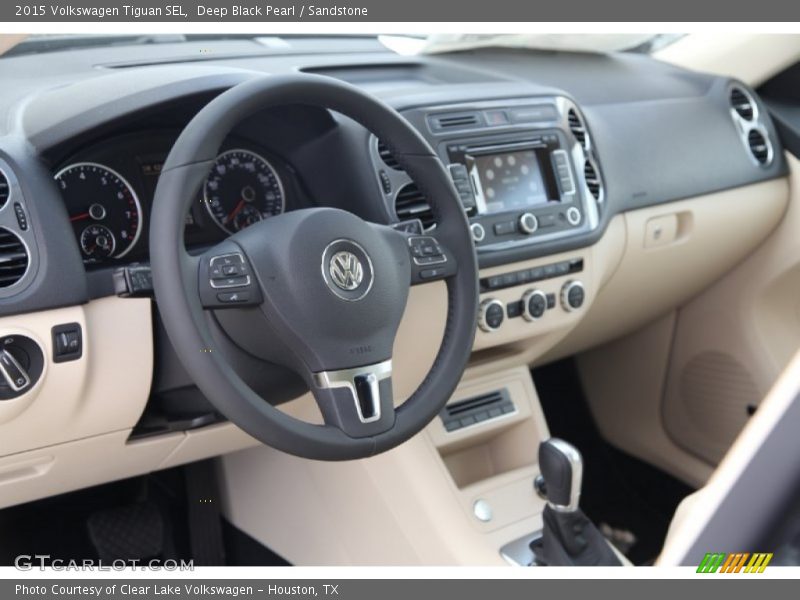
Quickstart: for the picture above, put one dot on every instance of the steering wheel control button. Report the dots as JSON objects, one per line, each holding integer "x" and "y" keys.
{"x": 234, "y": 297}
{"x": 573, "y": 216}
{"x": 67, "y": 342}
{"x": 491, "y": 315}
{"x": 347, "y": 270}
{"x": 528, "y": 223}
{"x": 482, "y": 510}
{"x": 478, "y": 232}
{"x": 534, "y": 304}
{"x": 227, "y": 271}
{"x": 573, "y": 295}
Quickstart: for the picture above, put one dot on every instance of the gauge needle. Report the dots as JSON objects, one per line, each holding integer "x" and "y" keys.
{"x": 235, "y": 211}
{"x": 80, "y": 217}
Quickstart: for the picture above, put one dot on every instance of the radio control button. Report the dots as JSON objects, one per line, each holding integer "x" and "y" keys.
{"x": 491, "y": 315}
{"x": 573, "y": 216}
{"x": 478, "y": 232}
{"x": 505, "y": 228}
{"x": 534, "y": 305}
{"x": 528, "y": 223}
{"x": 573, "y": 295}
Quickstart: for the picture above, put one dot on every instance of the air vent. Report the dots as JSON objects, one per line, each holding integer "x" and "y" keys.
{"x": 742, "y": 103}
{"x": 411, "y": 204}
{"x": 5, "y": 189}
{"x": 387, "y": 157}
{"x": 577, "y": 127}
{"x": 13, "y": 258}
{"x": 592, "y": 179}
{"x": 759, "y": 146}
{"x": 476, "y": 410}
{"x": 455, "y": 121}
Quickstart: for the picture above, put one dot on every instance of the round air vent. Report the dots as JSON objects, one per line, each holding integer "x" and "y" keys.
{"x": 5, "y": 189}
{"x": 411, "y": 204}
{"x": 577, "y": 127}
{"x": 592, "y": 178}
{"x": 760, "y": 147}
{"x": 742, "y": 103}
{"x": 13, "y": 258}
{"x": 387, "y": 157}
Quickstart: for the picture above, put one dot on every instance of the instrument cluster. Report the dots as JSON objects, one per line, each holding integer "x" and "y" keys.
{"x": 108, "y": 192}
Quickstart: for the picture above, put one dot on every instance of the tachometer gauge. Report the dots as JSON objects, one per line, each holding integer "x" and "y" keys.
{"x": 241, "y": 189}
{"x": 103, "y": 208}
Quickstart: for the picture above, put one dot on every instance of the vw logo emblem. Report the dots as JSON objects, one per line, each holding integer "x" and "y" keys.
{"x": 346, "y": 270}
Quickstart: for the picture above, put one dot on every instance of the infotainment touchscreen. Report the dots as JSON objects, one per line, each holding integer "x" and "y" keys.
{"x": 508, "y": 181}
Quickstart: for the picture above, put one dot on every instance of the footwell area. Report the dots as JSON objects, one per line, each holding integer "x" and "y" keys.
{"x": 630, "y": 501}
{"x": 149, "y": 518}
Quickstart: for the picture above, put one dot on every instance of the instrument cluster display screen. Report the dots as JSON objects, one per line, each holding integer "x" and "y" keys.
{"x": 508, "y": 181}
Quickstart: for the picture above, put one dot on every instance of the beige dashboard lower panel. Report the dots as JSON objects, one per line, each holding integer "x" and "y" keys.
{"x": 105, "y": 390}
{"x": 402, "y": 507}
{"x": 83, "y": 463}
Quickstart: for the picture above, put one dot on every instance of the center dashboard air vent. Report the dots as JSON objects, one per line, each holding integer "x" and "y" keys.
{"x": 13, "y": 258}
{"x": 742, "y": 103}
{"x": 454, "y": 121}
{"x": 410, "y": 203}
{"x": 592, "y": 178}
{"x": 5, "y": 189}
{"x": 578, "y": 128}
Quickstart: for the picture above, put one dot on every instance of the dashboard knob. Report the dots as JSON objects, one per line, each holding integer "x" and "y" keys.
{"x": 478, "y": 232}
{"x": 572, "y": 295}
{"x": 534, "y": 304}
{"x": 528, "y": 223}
{"x": 491, "y": 314}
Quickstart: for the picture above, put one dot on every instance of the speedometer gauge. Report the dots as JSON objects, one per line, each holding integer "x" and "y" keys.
{"x": 103, "y": 209}
{"x": 242, "y": 189}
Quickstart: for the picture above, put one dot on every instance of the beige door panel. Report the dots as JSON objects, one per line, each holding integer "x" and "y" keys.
{"x": 732, "y": 341}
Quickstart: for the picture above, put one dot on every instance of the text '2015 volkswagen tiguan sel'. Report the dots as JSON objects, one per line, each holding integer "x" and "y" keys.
{"x": 319, "y": 302}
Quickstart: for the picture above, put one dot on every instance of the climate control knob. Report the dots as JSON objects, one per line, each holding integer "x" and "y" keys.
{"x": 528, "y": 223}
{"x": 572, "y": 295}
{"x": 491, "y": 315}
{"x": 534, "y": 304}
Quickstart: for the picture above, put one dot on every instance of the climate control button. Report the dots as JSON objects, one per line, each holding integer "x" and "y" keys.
{"x": 534, "y": 305}
{"x": 491, "y": 315}
{"x": 573, "y": 295}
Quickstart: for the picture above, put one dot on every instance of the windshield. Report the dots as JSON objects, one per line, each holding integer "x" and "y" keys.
{"x": 14, "y": 45}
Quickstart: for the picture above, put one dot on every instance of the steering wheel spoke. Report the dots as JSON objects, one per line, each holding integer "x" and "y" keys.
{"x": 359, "y": 400}
{"x": 225, "y": 278}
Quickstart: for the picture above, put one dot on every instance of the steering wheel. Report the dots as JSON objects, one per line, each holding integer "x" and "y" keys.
{"x": 324, "y": 287}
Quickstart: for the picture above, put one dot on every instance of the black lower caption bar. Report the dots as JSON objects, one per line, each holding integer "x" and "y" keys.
{"x": 510, "y": 588}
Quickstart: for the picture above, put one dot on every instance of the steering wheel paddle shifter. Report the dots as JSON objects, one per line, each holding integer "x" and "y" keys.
{"x": 568, "y": 536}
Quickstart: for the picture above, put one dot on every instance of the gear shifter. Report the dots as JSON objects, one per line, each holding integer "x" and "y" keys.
{"x": 568, "y": 536}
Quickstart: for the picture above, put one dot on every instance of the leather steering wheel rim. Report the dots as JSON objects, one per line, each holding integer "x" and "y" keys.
{"x": 175, "y": 272}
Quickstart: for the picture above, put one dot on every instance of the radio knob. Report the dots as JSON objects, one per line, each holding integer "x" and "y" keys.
{"x": 491, "y": 315}
{"x": 528, "y": 223}
{"x": 572, "y": 295}
{"x": 534, "y": 303}
{"x": 478, "y": 232}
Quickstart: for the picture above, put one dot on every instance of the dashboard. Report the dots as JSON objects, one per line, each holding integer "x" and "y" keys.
{"x": 564, "y": 162}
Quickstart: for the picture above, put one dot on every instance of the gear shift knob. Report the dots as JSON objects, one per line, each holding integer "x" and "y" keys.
{"x": 561, "y": 466}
